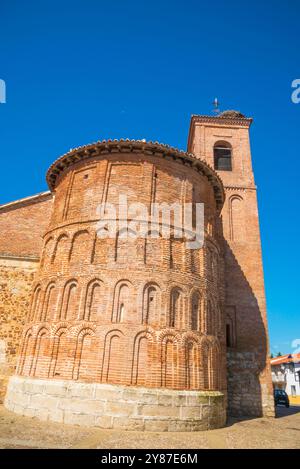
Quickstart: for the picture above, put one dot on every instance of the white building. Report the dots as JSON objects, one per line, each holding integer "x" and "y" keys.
{"x": 286, "y": 375}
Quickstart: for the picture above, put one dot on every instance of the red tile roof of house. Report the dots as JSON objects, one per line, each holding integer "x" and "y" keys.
{"x": 290, "y": 358}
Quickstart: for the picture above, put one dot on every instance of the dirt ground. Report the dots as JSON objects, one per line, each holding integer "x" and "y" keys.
{"x": 25, "y": 432}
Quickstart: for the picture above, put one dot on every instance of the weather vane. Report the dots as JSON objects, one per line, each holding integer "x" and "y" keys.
{"x": 216, "y": 109}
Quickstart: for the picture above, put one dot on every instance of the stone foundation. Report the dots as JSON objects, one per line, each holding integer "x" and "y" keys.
{"x": 16, "y": 278}
{"x": 117, "y": 407}
{"x": 248, "y": 394}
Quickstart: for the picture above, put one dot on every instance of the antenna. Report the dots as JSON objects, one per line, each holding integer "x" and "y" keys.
{"x": 216, "y": 109}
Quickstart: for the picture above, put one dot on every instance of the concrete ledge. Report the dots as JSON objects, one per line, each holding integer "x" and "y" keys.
{"x": 117, "y": 407}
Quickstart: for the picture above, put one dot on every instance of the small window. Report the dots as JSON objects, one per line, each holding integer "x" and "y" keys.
{"x": 228, "y": 336}
{"x": 293, "y": 390}
{"x": 222, "y": 156}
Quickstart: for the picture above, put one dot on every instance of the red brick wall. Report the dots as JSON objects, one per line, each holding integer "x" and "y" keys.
{"x": 103, "y": 309}
{"x": 249, "y": 378}
{"x": 22, "y": 225}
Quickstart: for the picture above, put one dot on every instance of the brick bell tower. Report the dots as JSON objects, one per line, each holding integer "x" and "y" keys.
{"x": 223, "y": 142}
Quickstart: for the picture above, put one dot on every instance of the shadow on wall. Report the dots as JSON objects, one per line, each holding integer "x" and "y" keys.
{"x": 249, "y": 383}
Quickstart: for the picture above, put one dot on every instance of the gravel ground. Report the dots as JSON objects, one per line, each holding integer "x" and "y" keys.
{"x": 25, "y": 432}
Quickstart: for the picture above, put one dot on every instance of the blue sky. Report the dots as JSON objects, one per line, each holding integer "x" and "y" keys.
{"x": 80, "y": 71}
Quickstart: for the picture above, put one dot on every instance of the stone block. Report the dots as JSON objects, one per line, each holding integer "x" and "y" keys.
{"x": 42, "y": 401}
{"x": 192, "y": 400}
{"x": 203, "y": 399}
{"x": 55, "y": 388}
{"x": 104, "y": 421}
{"x": 164, "y": 399}
{"x": 72, "y": 418}
{"x": 42, "y": 414}
{"x": 29, "y": 412}
{"x": 107, "y": 394}
{"x": 86, "y": 391}
{"x": 190, "y": 412}
{"x": 33, "y": 387}
{"x": 120, "y": 408}
{"x": 56, "y": 415}
{"x": 84, "y": 406}
{"x": 156, "y": 425}
{"x": 18, "y": 409}
{"x": 205, "y": 412}
{"x": 20, "y": 399}
{"x": 159, "y": 411}
{"x": 128, "y": 423}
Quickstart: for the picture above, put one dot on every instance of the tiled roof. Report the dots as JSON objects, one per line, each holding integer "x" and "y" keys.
{"x": 105, "y": 147}
{"x": 289, "y": 358}
{"x": 223, "y": 119}
{"x": 26, "y": 200}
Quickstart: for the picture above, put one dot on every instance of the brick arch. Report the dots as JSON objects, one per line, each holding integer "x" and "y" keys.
{"x": 60, "y": 250}
{"x": 214, "y": 358}
{"x": 195, "y": 320}
{"x": 236, "y": 217}
{"x": 79, "y": 249}
{"x": 70, "y": 301}
{"x": 204, "y": 348}
{"x": 141, "y": 372}
{"x": 225, "y": 145}
{"x": 92, "y": 300}
{"x": 76, "y": 330}
{"x": 60, "y": 354}
{"x": 26, "y": 329}
{"x": 35, "y": 303}
{"x": 48, "y": 306}
{"x": 122, "y": 301}
{"x": 85, "y": 362}
{"x": 193, "y": 365}
{"x": 26, "y": 354}
{"x": 113, "y": 357}
{"x": 176, "y": 307}
{"x": 56, "y": 328}
{"x": 169, "y": 353}
{"x": 47, "y": 252}
{"x": 151, "y": 303}
{"x": 41, "y": 359}
{"x": 166, "y": 332}
{"x": 190, "y": 335}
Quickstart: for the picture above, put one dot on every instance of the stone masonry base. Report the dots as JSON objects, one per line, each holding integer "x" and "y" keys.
{"x": 114, "y": 406}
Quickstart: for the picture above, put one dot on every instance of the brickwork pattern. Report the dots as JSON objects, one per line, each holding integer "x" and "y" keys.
{"x": 16, "y": 282}
{"x": 144, "y": 313}
{"x": 248, "y": 371}
{"x": 22, "y": 225}
{"x": 94, "y": 298}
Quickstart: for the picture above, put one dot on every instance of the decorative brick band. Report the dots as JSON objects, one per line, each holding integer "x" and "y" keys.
{"x": 116, "y": 407}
